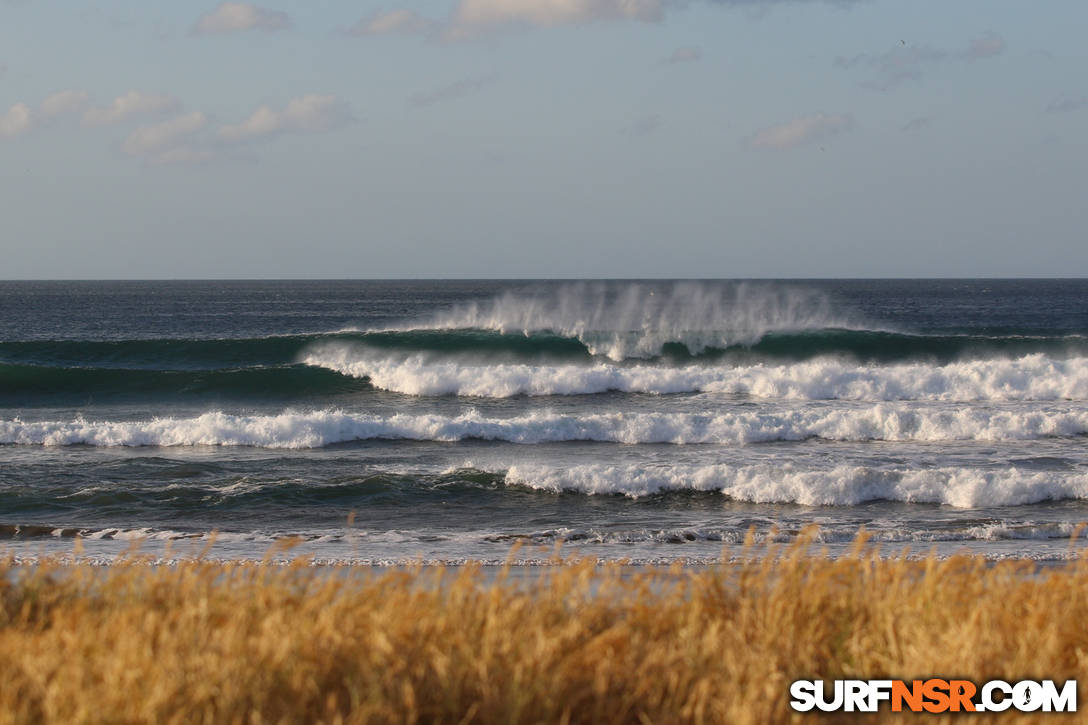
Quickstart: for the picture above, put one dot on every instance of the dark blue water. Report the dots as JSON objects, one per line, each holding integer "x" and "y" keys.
{"x": 450, "y": 420}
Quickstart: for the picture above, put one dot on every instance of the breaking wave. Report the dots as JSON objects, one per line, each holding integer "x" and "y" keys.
{"x": 881, "y": 422}
{"x": 636, "y": 320}
{"x": 839, "y": 486}
{"x": 761, "y": 483}
{"x": 1032, "y": 377}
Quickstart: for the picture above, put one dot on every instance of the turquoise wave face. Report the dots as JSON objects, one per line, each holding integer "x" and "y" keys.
{"x": 271, "y": 369}
{"x": 32, "y": 385}
{"x": 212, "y": 354}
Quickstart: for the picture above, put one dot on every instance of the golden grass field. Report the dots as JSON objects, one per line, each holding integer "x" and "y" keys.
{"x": 249, "y": 643}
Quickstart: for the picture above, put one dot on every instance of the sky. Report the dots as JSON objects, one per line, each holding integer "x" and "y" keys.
{"x": 543, "y": 138}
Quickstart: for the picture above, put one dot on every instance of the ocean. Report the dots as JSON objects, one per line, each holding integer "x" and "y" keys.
{"x": 390, "y": 422}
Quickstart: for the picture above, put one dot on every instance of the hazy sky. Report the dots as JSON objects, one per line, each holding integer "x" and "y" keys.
{"x": 540, "y": 138}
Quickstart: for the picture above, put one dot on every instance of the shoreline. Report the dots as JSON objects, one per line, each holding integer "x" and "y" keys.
{"x": 290, "y": 551}
{"x": 550, "y": 558}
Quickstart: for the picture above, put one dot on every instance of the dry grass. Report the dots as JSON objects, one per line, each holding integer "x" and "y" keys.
{"x": 206, "y": 642}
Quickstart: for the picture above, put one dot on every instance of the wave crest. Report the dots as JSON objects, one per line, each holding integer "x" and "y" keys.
{"x": 882, "y": 422}
{"x": 1032, "y": 377}
{"x": 839, "y": 486}
{"x": 635, "y": 320}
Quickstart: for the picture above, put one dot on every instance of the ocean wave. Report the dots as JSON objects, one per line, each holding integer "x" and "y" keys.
{"x": 158, "y": 353}
{"x": 203, "y": 354}
{"x": 38, "y": 361}
{"x": 881, "y": 422}
{"x": 330, "y": 369}
{"x": 1032, "y": 377}
{"x": 635, "y": 320}
{"x": 838, "y": 486}
{"x": 26, "y": 383}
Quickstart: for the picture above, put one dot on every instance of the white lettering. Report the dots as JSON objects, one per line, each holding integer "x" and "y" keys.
{"x": 988, "y": 702}
{"x": 803, "y": 693}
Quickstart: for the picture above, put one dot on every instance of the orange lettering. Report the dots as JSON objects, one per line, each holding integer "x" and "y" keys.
{"x": 936, "y": 691}
{"x": 962, "y": 691}
{"x": 912, "y": 696}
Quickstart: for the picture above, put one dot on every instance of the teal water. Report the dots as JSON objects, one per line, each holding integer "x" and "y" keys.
{"x": 643, "y": 420}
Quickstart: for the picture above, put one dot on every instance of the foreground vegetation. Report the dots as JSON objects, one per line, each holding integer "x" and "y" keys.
{"x": 211, "y": 642}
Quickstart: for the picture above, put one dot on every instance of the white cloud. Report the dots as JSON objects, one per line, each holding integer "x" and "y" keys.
{"x": 763, "y": 5}
{"x": 164, "y": 137}
{"x": 404, "y": 22}
{"x": 131, "y": 104}
{"x": 309, "y": 113}
{"x": 474, "y": 16}
{"x": 17, "y": 120}
{"x": 231, "y": 17}
{"x": 62, "y": 103}
{"x": 803, "y": 130}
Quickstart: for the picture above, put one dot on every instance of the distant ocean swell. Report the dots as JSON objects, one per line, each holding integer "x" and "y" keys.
{"x": 880, "y": 422}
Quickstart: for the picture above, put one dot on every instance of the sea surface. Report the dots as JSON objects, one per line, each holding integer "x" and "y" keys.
{"x": 387, "y": 422}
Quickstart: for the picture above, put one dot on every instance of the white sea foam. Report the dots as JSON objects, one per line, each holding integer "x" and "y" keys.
{"x": 636, "y": 319}
{"x": 1031, "y": 377}
{"x": 838, "y": 486}
{"x": 731, "y": 535}
{"x": 883, "y": 421}
{"x": 845, "y": 533}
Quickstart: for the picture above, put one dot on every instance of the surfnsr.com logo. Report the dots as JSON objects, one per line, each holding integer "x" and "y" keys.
{"x": 933, "y": 695}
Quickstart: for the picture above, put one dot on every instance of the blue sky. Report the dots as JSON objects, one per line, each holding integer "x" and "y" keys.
{"x": 543, "y": 138}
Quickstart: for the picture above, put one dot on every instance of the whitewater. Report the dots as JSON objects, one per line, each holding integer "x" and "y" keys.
{"x": 650, "y": 420}
{"x": 322, "y": 428}
{"x": 1032, "y": 377}
{"x": 635, "y": 320}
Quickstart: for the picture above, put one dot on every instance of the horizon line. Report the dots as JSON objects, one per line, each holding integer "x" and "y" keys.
{"x": 544, "y": 279}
